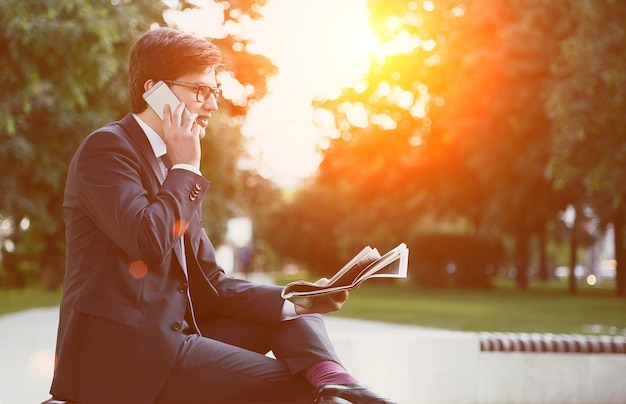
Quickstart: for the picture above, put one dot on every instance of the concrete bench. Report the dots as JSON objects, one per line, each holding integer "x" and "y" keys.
{"x": 564, "y": 343}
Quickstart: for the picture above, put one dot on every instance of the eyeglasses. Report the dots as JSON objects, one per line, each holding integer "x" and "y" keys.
{"x": 203, "y": 92}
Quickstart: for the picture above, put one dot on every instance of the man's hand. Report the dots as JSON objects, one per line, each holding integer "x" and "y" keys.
{"x": 181, "y": 135}
{"x": 324, "y": 303}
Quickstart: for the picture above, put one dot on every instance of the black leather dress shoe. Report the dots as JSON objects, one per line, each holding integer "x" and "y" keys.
{"x": 348, "y": 394}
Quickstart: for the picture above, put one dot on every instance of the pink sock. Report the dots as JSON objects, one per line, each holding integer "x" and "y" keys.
{"x": 328, "y": 372}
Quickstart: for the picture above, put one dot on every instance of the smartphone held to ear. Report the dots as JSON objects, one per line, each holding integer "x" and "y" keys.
{"x": 159, "y": 95}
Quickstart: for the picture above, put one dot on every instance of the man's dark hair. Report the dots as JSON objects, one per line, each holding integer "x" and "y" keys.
{"x": 166, "y": 54}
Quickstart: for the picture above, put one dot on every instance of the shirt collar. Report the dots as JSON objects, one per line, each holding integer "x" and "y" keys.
{"x": 157, "y": 144}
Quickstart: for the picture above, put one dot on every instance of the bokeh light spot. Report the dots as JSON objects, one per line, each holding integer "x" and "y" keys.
{"x": 41, "y": 364}
{"x": 592, "y": 280}
{"x": 138, "y": 269}
{"x": 180, "y": 227}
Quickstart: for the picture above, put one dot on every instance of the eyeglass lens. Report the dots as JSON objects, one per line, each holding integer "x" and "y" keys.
{"x": 204, "y": 92}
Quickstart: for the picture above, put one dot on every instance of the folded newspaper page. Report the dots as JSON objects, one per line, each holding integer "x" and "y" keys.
{"x": 368, "y": 263}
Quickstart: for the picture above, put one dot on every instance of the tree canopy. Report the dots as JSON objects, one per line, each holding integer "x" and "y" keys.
{"x": 474, "y": 118}
{"x": 478, "y": 123}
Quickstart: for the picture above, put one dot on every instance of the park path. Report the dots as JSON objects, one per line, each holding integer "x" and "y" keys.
{"x": 27, "y": 341}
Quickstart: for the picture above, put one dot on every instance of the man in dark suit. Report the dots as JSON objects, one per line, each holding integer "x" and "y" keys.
{"x": 147, "y": 314}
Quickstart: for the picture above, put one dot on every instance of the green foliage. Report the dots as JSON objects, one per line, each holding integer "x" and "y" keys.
{"x": 471, "y": 142}
{"x": 29, "y": 298}
{"x": 499, "y": 59}
{"x": 64, "y": 74}
{"x": 587, "y": 108}
{"x": 304, "y": 231}
{"x": 458, "y": 132}
{"x": 588, "y": 103}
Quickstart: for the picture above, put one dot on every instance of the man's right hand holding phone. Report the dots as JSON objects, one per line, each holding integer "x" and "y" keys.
{"x": 182, "y": 135}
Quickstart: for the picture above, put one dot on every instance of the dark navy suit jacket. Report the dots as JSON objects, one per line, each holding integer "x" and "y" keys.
{"x": 125, "y": 293}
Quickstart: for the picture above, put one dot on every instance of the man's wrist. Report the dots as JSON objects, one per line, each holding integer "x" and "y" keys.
{"x": 188, "y": 167}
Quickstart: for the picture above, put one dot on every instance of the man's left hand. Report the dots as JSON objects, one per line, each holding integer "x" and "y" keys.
{"x": 324, "y": 303}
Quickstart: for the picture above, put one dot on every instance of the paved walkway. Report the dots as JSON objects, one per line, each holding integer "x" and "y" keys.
{"x": 27, "y": 355}
{"x": 410, "y": 365}
{"x": 27, "y": 351}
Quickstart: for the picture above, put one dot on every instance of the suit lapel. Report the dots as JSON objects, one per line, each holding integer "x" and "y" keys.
{"x": 134, "y": 131}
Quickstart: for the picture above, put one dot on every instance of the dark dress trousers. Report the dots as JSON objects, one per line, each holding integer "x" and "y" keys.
{"x": 126, "y": 330}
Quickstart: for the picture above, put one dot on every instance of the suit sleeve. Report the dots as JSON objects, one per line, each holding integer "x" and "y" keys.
{"x": 238, "y": 298}
{"x": 113, "y": 186}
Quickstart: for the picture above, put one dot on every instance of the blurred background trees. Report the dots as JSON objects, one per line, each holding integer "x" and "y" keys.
{"x": 64, "y": 74}
{"x": 587, "y": 109}
{"x": 478, "y": 124}
{"x": 468, "y": 143}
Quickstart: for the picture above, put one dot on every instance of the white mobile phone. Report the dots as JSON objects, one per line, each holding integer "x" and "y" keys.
{"x": 159, "y": 95}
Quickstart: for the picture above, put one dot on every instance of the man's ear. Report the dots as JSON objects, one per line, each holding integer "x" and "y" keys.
{"x": 148, "y": 85}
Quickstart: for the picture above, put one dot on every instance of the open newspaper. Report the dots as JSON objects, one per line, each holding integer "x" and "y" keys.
{"x": 365, "y": 265}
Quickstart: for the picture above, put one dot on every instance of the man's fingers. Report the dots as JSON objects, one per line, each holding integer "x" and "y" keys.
{"x": 340, "y": 297}
{"x": 181, "y": 135}
{"x": 167, "y": 116}
{"x": 190, "y": 121}
{"x": 179, "y": 119}
{"x": 195, "y": 130}
{"x": 322, "y": 281}
{"x": 180, "y": 108}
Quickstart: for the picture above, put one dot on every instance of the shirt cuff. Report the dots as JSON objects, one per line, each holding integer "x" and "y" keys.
{"x": 188, "y": 167}
{"x": 289, "y": 311}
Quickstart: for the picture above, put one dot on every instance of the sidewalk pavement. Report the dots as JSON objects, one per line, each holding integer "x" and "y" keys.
{"x": 27, "y": 342}
{"x": 410, "y": 365}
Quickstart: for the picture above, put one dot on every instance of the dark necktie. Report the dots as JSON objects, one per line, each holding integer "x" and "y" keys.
{"x": 166, "y": 161}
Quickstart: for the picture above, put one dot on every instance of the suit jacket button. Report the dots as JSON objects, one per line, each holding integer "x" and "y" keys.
{"x": 177, "y": 326}
{"x": 182, "y": 288}
{"x": 193, "y": 197}
{"x": 197, "y": 188}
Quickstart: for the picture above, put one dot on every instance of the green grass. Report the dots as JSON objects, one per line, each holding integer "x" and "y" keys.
{"x": 22, "y": 299}
{"x": 545, "y": 308}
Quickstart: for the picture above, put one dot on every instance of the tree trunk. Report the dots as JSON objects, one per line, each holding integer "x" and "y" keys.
{"x": 543, "y": 256}
{"x": 573, "y": 249}
{"x": 620, "y": 253}
{"x": 521, "y": 260}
